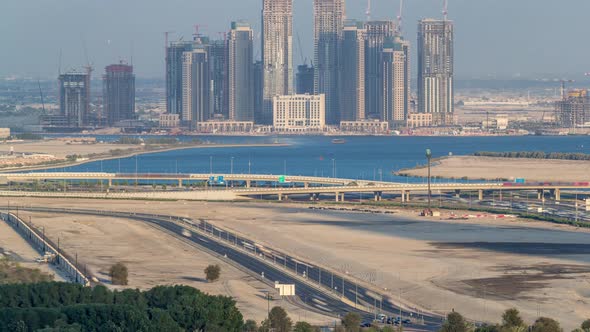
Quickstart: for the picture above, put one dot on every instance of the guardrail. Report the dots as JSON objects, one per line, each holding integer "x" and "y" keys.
{"x": 43, "y": 245}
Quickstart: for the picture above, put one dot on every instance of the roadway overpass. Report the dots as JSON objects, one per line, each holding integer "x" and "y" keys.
{"x": 293, "y": 185}
{"x": 182, "y": 179}
{"x": 404, "y": 189}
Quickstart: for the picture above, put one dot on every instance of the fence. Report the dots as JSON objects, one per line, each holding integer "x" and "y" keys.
{"x": 43, "y": 245}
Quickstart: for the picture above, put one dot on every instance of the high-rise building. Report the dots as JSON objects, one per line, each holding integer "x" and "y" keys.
{"x": 277, "y": 52}
{"x": 329, "y": 19}
{"x": 74, "y": 95}
{"x": 196, "y": 86}
{"x": 119, "y": 93}
{"x": 377, "y": 33}
{"x": 435, "y": 70}
{"x": 573, "y": 109}
{"x": 241, "y": 72}
{"x": 174, "y": 53}
{"x": 218, "y": 61}
{"x": 305, "y": 79}
{"x": 352, "y": 73}
{"x": 396, "y": 85}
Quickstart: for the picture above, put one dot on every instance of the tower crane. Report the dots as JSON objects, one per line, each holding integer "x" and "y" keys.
{"x": 445, "y": 9}
{"x": 563, "y": 87}
{"x": 400, "y": 17}
{"x": 368, "y": 12}
{"x": 303, "y": 59}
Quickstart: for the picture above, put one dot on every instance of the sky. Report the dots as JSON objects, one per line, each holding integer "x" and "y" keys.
{"x": 493, "y": 38}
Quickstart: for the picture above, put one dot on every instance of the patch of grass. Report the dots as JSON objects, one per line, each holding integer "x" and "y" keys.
{"x": 12, "y": 273}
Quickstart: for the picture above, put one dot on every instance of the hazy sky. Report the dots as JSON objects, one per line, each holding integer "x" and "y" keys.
{"x": 502, "y": 38}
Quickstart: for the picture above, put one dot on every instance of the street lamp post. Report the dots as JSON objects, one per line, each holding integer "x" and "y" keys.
{"x": 429, "y": 157}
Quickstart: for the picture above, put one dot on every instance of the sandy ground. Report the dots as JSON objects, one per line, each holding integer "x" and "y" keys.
{"x": 491, "y": 168}
{"x": 60, "y": 149}
{"x": 156, "y": 258}
{"x": 15, "y": 247}
{"x": 478, "y": 267}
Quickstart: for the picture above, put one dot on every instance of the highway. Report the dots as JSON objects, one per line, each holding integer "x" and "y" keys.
{"x": 272, "y": 266}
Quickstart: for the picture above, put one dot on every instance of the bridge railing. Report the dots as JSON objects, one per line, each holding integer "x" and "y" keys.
{"x": 44, "y": 246}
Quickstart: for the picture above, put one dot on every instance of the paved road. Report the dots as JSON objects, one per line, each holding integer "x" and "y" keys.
{"x": 271, "y": 264}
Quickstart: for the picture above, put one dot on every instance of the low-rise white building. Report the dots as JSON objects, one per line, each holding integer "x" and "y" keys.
{"x": 169, "y": 120}
{"x": 299, "y": 113}
{"x": 4, "y": 133}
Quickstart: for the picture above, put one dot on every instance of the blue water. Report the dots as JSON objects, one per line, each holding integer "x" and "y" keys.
{"x": 371, "y": 158}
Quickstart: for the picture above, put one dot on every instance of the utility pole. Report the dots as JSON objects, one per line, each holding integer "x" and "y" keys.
{"x": 429, "y": 157}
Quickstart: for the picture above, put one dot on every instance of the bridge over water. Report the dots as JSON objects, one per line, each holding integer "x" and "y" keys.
{"x": 283, "y": 186}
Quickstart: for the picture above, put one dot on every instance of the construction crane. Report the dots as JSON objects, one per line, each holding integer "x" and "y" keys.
{"x": 41, "y": 94}
{"x": 166, "y": 35}
{"x": 400, "y": 17}
{"x": 445, "y": 10}
{"x": 303, "y": 59}
{"x": 563, "y": 87}
{"x": 368, "y": 11}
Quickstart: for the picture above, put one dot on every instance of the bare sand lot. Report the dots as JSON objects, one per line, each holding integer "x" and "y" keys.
{"x": 478, "y": 267}
{"x": 60, "y": 149}
{"x": 491, "y": 168}
{"x": 155, "y": 258}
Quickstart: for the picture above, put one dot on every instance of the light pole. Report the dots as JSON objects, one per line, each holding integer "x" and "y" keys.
{"x": 333, "y": 168}
{"x": 231, "y": 167}
{"x": 210, "y": 164}
{"x": 429, "y": 157}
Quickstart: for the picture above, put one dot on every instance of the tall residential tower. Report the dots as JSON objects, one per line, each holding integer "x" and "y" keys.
{"x": 396, "y": 82}
{"x": 277, "y": 49}
{"x": 329, "y": 19}
{"x": 196, "y": 86}
{"x": 174, "y": 53}
{"x": 241, "y": 72}
{"x": 435, "y": 70}
{"x": 352, "y": 73}
{"x": 377, "y": 33}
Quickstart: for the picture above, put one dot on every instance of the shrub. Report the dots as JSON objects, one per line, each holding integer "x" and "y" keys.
{"x": 118, "y": 274}
{"x": 212, "y": 273}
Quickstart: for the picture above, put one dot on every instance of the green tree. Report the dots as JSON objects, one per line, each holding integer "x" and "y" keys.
{"x": 212, "y": 273}
{"x": 544, "y": 324}
{"x": 304, "y": 327}
{"x": 119, "y": 274}
{"x": 586, "y": 325}
{"x": 250, "y": 326}
{"x": 279, "y": 320}
{"x": 387, "y": 328}
{"x": 455, "y": 323}
{"x": 352, "y": 322}
{"x": 511, "y": 321}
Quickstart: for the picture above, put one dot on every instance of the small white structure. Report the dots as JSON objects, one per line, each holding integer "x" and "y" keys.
{"x": 285, "y": 289}
{"x": 4, "y": 133}
{"x": 299, "y": 113}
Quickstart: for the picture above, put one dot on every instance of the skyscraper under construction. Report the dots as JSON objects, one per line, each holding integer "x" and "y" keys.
{"x": 329, "y": 19}
{"x": 277, "y": 53}
{"x": 119, "y": 93}
{"x": 435, "y": 70}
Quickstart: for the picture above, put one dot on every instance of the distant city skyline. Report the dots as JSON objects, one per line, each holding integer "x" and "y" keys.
{"x": 544, "y": 38}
